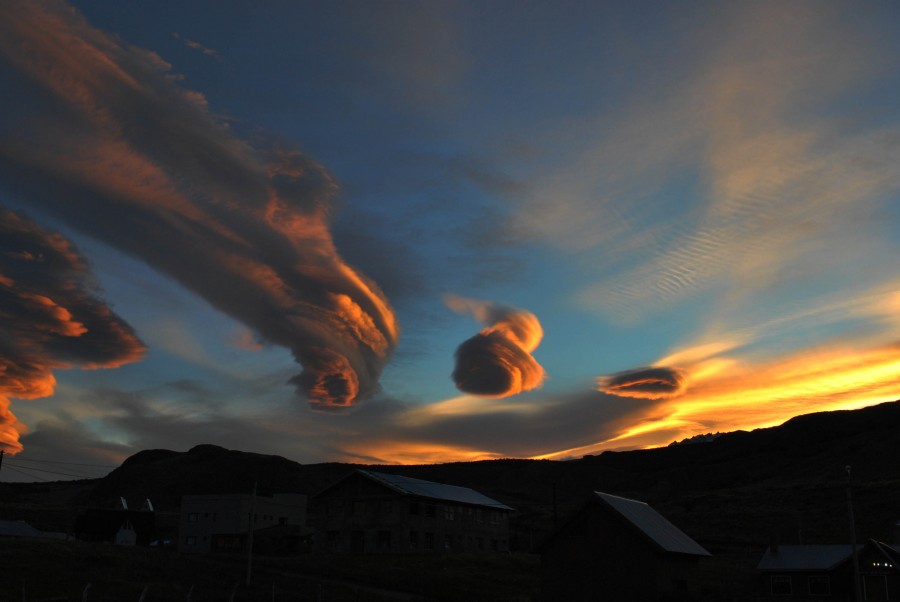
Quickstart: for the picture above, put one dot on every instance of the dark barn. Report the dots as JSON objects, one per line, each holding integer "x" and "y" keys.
{"x": 619, "y": 549}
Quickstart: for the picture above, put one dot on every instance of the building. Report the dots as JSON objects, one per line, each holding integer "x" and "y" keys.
{"x": 119, "y": 526}
{"x": 373, "y": 512}
{"x": 221, "y": 522}
{"x": 815, "y": 573}
{"x": 619, "y": 549}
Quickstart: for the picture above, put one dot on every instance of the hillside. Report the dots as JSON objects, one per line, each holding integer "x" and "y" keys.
{"x": 739, "y": 488}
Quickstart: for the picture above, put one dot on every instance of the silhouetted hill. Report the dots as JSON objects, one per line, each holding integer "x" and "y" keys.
{"x": 737, "y": 489}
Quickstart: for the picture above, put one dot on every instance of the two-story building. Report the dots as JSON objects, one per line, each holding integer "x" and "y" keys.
{"x": 373, "y": 512}
{"x": 221, "y": 522}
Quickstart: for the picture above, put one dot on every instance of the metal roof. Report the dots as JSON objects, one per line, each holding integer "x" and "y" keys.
{"x": 18, "y": 528}
{"x": 814, "y": 557}
{"x": 808, "y": 557}
{"x": 437, "y": 491}
{"x": 653, "y": 524}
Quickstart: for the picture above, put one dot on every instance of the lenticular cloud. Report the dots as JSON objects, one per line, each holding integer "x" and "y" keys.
{"x": 645, "y": 383}
{"x": 102, "y": 135}
{"x": 497, "y": 361}
{"x": 51, "y": 318}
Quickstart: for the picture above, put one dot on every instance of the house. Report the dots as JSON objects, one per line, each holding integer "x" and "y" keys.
{"x": 221, "y": 522}
{"x": 374, "y": 512}
{"x": 823, "y": 572}
{"x": 619, "y": 549}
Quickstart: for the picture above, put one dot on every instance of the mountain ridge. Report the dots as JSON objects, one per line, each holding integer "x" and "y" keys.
{"x": 739, "y": 487}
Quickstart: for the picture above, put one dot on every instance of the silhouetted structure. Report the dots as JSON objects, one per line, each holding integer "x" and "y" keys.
{"x": 825, "y": 572}
{"x": 619, "y": 549}
{"x": 121, "y": 527}
{"x": 221, "y": 523}
{"x": 373, "y": 512}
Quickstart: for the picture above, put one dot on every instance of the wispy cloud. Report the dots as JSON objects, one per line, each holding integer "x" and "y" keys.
{"x": 103, "y": 137}
{"x": 765, "y": 182}
{"x": 198, "y": 46}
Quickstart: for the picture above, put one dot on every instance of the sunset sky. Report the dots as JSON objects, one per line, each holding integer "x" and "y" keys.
{"x": 416, "y": 232}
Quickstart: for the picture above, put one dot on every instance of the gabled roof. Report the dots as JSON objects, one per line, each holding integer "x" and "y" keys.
{"x": 816, "y": 557}
{"x": 810, "y": 557}
{"x": 652, "y": 525}
{"x": 431, "y": 490}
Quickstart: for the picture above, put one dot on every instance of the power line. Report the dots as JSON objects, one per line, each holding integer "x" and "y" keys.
{"x": 32, "y": 476}
{"x": 68, "y": 463}
{"x": 65, "y": 474}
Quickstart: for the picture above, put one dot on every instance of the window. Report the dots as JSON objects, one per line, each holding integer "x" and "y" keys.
{"x": 429, "y": 541}
{"x": 819, "y": 585}
{"x": 193, "y": 517}
{"x": 190, "y": 540}
{"x": 414, "y": 540}
{"x": 449, "y": 513}
{"x": 383, "y": 540}
{"x": 430, "y": 511}
{"x": 781, "y": 585}
{"x": 414, "y": 508}
{"x": 495, "y": 517}
{"x": 479, "y": 516}
{"x": 387, "y": 507}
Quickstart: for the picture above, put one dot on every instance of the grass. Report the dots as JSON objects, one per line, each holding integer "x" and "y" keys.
{"x": 38, "y": 570}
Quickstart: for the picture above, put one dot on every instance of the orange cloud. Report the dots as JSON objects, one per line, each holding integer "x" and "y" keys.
{"x": 745, "y": 396}
{"x": 645, "y": 383}
{"x": 497, "y": 362}
{"x": 51, "y": 318}
{"x": 113, "y": 146}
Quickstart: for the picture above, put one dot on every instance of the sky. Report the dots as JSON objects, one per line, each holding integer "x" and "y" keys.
{"x": 419, "y": 232}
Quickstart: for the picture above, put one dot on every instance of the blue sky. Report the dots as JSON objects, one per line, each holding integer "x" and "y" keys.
{"x": 646, "y": 221}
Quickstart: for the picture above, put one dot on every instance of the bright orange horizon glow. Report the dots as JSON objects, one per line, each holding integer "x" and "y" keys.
{"x": 762, "y": 396}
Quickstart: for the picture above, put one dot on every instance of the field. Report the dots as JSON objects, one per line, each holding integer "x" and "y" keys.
{"x": 44, "y": 570}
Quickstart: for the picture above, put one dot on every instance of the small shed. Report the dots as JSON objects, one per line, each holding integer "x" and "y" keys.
{"x": 615, "y": 548}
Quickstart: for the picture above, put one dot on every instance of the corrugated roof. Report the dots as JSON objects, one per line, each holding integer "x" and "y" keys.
{"x": 817, "y": 557}
{"x": 437, "y": 491}
{"x": 653, "y": 524}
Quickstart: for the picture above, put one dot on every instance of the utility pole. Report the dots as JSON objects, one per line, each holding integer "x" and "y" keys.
{"x": 250, "y": 522}
{"x": 857, "y": 586}
{"x": 2, "y": 451}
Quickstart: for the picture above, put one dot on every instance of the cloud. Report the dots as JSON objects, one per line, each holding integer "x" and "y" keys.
{"x": 645, "y": 383}
{"x": 731, "y": 172}
{"x": 198, "y": 46}
{"x": 497, "y": 361}
{"x": 115, "y": 148}
{"x": 51, "y": 318}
